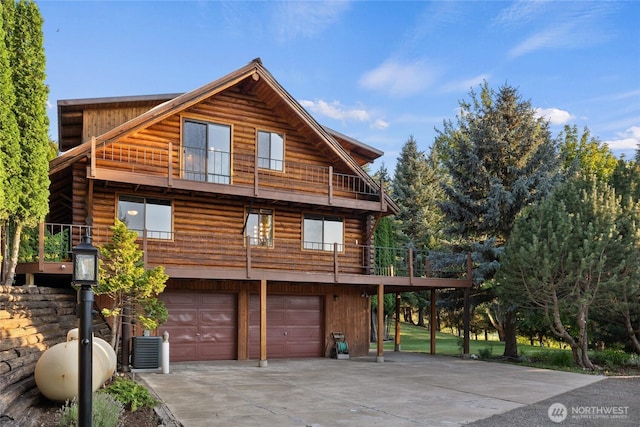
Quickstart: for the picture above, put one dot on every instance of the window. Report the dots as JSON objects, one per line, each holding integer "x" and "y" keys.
{"x": 260, "y": 227}
{"x": 321, "y": 232}
{"x": 140, "y": 213}
{"x": 270, "y": 150}
{"x": 207, "y": 152}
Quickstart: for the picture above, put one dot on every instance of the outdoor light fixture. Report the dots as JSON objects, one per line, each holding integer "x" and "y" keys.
{"x": 85, "y": 263}
{"x": 85, "y": 275}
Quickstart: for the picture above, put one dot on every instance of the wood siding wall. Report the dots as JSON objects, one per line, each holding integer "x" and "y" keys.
{"x": 196, "y": 217}
{"x": 147, "y": 150}
{"x": 100, "y": 120}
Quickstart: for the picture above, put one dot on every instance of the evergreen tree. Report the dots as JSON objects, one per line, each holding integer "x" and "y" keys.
{"x": 499, "y": 159}
{"x": 566, "y": 255}
{"x": 410, "y": 193}
{"x": 9, "y": 134}
{"x": 27, "y": 60}
{"x": 128, "y": 284}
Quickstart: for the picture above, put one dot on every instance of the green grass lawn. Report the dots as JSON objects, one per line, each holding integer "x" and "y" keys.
{"x": 418, "y": 339}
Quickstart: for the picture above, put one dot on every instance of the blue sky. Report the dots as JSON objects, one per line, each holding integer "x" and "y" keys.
{"x": 374, "y": 70}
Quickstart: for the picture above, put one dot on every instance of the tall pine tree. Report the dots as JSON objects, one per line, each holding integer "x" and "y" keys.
{"x": 27, "y": 61}
{"x": 499, "y": 158}
{"x": 410, "y": 191}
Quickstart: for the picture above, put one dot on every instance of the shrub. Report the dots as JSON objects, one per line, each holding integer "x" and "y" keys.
{"x": 486, "y": 353}
{"x": 611, "y": 358}
{"x": 131, "y": 394}
{"x": 106, "y": 412}
{"x": 558, "y": 358}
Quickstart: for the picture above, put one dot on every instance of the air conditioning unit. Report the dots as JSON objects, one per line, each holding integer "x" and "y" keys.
{"x": 146, "y": 353}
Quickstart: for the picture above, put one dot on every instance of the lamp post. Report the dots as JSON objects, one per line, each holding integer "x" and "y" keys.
{"x": 85, "y": 275}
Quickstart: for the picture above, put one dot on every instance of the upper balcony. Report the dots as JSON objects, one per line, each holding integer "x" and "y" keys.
{"x": 218, "y": 256}
{"x": 234, "y": 174}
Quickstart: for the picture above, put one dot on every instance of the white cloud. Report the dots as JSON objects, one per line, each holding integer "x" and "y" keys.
{"x": 335, "y": 110}
{"x": 306, "y": 19}
{"x": 465, "y": 85}
{"x": 572, "y": 25}
{"x": 554, "y": 115}
{"x": 400, "y": 79}
{"x": 519, "y": 12}
{"x": 379, "y": 124}
{"x": 627, "y": 140}
{"x": 557, "y": 36}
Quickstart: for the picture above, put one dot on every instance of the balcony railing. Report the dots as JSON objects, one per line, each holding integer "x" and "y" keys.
{"x": 223, "y": 252}
{"x": 160, "y": 162}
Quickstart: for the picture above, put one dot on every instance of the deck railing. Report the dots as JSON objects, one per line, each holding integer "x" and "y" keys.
{"x": 54, "y": 243}
{"x": 240, "y": 169}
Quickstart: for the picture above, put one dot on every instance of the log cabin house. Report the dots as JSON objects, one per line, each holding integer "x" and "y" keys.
{"x": 262, "y": 218}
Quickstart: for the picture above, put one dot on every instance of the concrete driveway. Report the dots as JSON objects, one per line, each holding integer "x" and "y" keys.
{"x": 408, "y": 389}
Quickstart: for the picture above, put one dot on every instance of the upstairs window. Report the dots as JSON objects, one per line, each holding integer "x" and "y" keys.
{"x": 321, "y": 232}
{"x": 206, "y": 152}
{"x": 259, "y": 227}
{"x": 140, "y": 213}
{"x": 270, "y": 150}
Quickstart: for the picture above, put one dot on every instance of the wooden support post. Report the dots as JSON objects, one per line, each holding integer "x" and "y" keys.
{"x": 330, "y": 185}
{"x": 41, "y": 246}
{"x": 335, "y": 262}
{"x": 263, "y": 324}
{"x": 243, "y": 324}
{"x": 383, "y": 199}
{"x": 170, "y": 165}
{"x": 396, "y": 346}
{"x": 433, "y": 322}
{"x": 92, "y": 170}
{"x": 256, "y": 184}
{"x": 248, "y": 246}
{"x": 466, "y": 316}
{"x": 410, "y": 266}
{"x": 466, "y": 320}
{"x": 380, "y": 355}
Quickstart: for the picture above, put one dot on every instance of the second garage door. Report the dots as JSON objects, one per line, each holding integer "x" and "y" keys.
{"x": 294, "y": 326}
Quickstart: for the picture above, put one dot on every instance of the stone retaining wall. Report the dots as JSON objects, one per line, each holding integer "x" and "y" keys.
{"x": 32, "y": 319}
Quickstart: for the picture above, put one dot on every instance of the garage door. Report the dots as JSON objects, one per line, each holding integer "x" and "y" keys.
{"x": 201, "y": 325}
{"x": 294, "y": 326}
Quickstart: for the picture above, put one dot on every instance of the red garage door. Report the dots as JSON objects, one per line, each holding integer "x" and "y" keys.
{"x": 294, "y": 326}
{"x": 201, "y": 325}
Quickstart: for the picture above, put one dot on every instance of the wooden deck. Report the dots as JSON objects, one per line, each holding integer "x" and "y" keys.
{"x": 220, "y": 256}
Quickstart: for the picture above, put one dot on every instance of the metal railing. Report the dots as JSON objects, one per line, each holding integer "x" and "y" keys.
{"x": 54, "y": 242}
{"x": 242, "y": 167}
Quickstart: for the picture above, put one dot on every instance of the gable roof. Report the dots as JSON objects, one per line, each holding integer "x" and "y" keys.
{"x": 248, "y": 75}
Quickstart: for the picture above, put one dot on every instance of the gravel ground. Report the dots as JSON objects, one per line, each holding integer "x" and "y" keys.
{"x": 611, "y": 402}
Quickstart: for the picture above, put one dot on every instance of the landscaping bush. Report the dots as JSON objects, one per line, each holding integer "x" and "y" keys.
{"x": 611, "y": 358}
{"x": 131, "y": 394}
{"x": 486, "y": 353}
{"x": 557, "y": 358}
{"x": 106, "y": 412}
